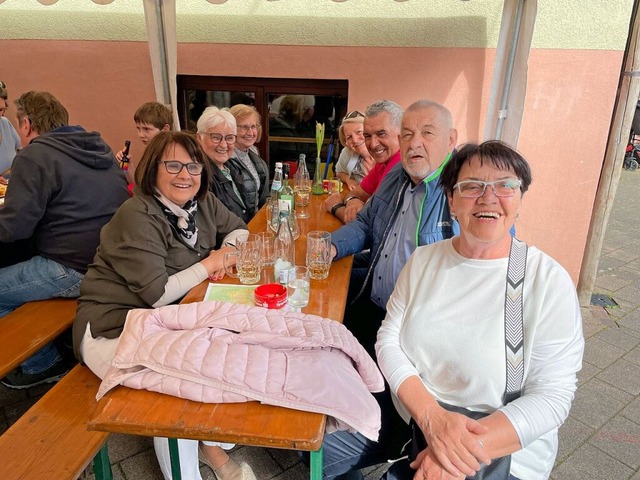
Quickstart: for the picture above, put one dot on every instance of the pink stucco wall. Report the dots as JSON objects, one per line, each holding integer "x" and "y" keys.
{"x": 570, "y": 97}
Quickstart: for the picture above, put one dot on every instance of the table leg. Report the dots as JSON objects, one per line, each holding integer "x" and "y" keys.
{"x": 101, "y": 464}
{"x": 175, "y": 459}
{"x": 316, "y": 464}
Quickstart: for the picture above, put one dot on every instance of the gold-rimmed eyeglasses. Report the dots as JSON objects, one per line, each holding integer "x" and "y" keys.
{"x": 247, "y": 128}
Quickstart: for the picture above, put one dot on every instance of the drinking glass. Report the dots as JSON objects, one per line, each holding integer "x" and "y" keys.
{"x": 273, "y": 219}
{"x": 298, "y": 287}
{"x": 247, "y": 264}
{"x": 267, "y": 248}
{"x": 318, "y": 254}
{"x": 302, "y": 189}
{"x": 267, "y": 256}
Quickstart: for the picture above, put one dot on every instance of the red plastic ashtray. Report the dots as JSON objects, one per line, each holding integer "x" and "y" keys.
{"x": 271, "y": 295}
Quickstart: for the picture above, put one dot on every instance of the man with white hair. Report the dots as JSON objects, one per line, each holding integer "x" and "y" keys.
{"x": 408, "y": 209}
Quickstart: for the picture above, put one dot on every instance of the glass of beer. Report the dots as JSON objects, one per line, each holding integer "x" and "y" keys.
{"x": 318, "y": 254}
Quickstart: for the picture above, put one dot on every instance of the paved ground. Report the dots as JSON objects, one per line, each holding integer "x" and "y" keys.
{"x": 601, "y": 438}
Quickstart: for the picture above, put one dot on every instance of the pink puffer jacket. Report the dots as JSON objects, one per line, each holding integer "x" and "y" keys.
{"x": 217, "y": 352}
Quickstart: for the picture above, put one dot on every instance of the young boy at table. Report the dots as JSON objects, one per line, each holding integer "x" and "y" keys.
{"x": 151, "y": 118}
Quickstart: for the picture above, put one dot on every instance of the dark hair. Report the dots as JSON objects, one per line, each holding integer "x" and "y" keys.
{"x": 494, "y": 152}
{"x": 154, "y": 113}
{"x": 44, "y": 110}
{"x": 3, "y": 91}
{"x": 147, "y": 169}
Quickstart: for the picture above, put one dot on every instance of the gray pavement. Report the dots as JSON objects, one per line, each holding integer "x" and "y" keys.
{"x": 601, "y": 437}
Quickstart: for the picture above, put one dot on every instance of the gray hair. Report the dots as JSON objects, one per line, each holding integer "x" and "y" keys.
{"x": 444, "y": 111}
{"x": 392, "y": 108}
{"x": 213, "y": 116}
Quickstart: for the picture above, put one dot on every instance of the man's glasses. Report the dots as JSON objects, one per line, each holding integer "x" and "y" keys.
{"x": 216, "y": 138}
{"x": 476, "y": 188}
{"x": 247, "y": 128}
{"x": 174, "y": 167}
{"x": 354, "y": 114}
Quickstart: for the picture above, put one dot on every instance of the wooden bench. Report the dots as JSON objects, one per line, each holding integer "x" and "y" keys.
{"x": 30, "y": 327}
{"x": 141, "y": 412}
{"x": 51, "y": 440}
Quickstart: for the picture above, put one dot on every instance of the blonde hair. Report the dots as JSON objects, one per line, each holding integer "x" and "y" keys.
{"x": 343, "y": 139}
{"x": 240, "y": 111}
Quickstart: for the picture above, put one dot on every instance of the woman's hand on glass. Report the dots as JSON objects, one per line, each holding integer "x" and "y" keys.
{"x": 214, "y": 263}
{"x": 452, "y": 438}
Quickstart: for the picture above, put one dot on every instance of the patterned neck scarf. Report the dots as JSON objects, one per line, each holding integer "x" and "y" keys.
{"x": 182, "y": 218}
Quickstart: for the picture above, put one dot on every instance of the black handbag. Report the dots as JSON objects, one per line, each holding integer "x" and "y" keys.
{"x": 499, "y": 468}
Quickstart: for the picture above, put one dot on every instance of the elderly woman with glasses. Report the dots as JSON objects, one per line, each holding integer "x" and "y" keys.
{"x": 355, "y": 161}
{"x": 483, "y": 335}
{"x": 217, "y": 137}
{"x": 246, "y": 158}
{"x": 170, "y": 236}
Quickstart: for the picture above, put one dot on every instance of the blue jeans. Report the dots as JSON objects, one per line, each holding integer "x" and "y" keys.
{"x": 346, "y": 453}
{"x": 37, "y": 279}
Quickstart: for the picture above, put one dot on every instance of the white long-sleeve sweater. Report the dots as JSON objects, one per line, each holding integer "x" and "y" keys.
{"x": 445, "y": 323}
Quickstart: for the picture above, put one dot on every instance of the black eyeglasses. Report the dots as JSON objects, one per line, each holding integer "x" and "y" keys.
{"x": 174, "y": 167}
{"x": 216, "y": 138}
{"x": 353, "y": 114}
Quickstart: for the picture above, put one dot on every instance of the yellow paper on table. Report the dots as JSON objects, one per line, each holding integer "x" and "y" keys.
{"x": 240, "y": 294}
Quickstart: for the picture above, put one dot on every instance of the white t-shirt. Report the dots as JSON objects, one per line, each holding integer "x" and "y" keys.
{"x": 445, "y": 323}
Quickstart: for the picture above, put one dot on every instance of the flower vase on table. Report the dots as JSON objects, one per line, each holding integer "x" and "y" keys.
{"x": 318, "y": 187}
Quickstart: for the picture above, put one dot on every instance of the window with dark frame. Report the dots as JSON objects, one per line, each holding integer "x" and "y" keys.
{"x": 289, "y": 109}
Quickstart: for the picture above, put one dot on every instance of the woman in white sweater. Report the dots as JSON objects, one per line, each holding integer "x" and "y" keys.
{"x": 443, "y": 340}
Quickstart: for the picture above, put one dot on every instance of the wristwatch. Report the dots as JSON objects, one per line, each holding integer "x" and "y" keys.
{"x": 336, "y": 207}
{"x": 350, "y": 197}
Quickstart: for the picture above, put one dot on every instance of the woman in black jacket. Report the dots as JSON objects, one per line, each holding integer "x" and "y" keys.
{"x": 217, "y": 137}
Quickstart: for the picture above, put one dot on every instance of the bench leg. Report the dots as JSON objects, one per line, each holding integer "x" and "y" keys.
{"x": 175, "y": 459}
{"x": 102, "y": 465}
{"x": 316, "y": 464}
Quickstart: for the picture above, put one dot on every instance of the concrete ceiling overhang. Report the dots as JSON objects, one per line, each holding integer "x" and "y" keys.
{"x": 421, "y": 23}
{"x": 417, "y": 23}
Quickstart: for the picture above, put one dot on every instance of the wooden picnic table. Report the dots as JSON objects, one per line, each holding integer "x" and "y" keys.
{"x": 141, "y": 412}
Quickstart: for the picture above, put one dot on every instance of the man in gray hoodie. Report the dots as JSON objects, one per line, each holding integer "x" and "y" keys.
{"x": 65, "y": 185}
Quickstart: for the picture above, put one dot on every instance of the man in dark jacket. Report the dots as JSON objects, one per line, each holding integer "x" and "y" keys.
{"x": 65, "y": 185}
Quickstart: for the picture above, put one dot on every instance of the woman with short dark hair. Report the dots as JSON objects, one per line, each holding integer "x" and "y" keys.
{"x": 170, "y": 236}
{"x": 483, "y": 334}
